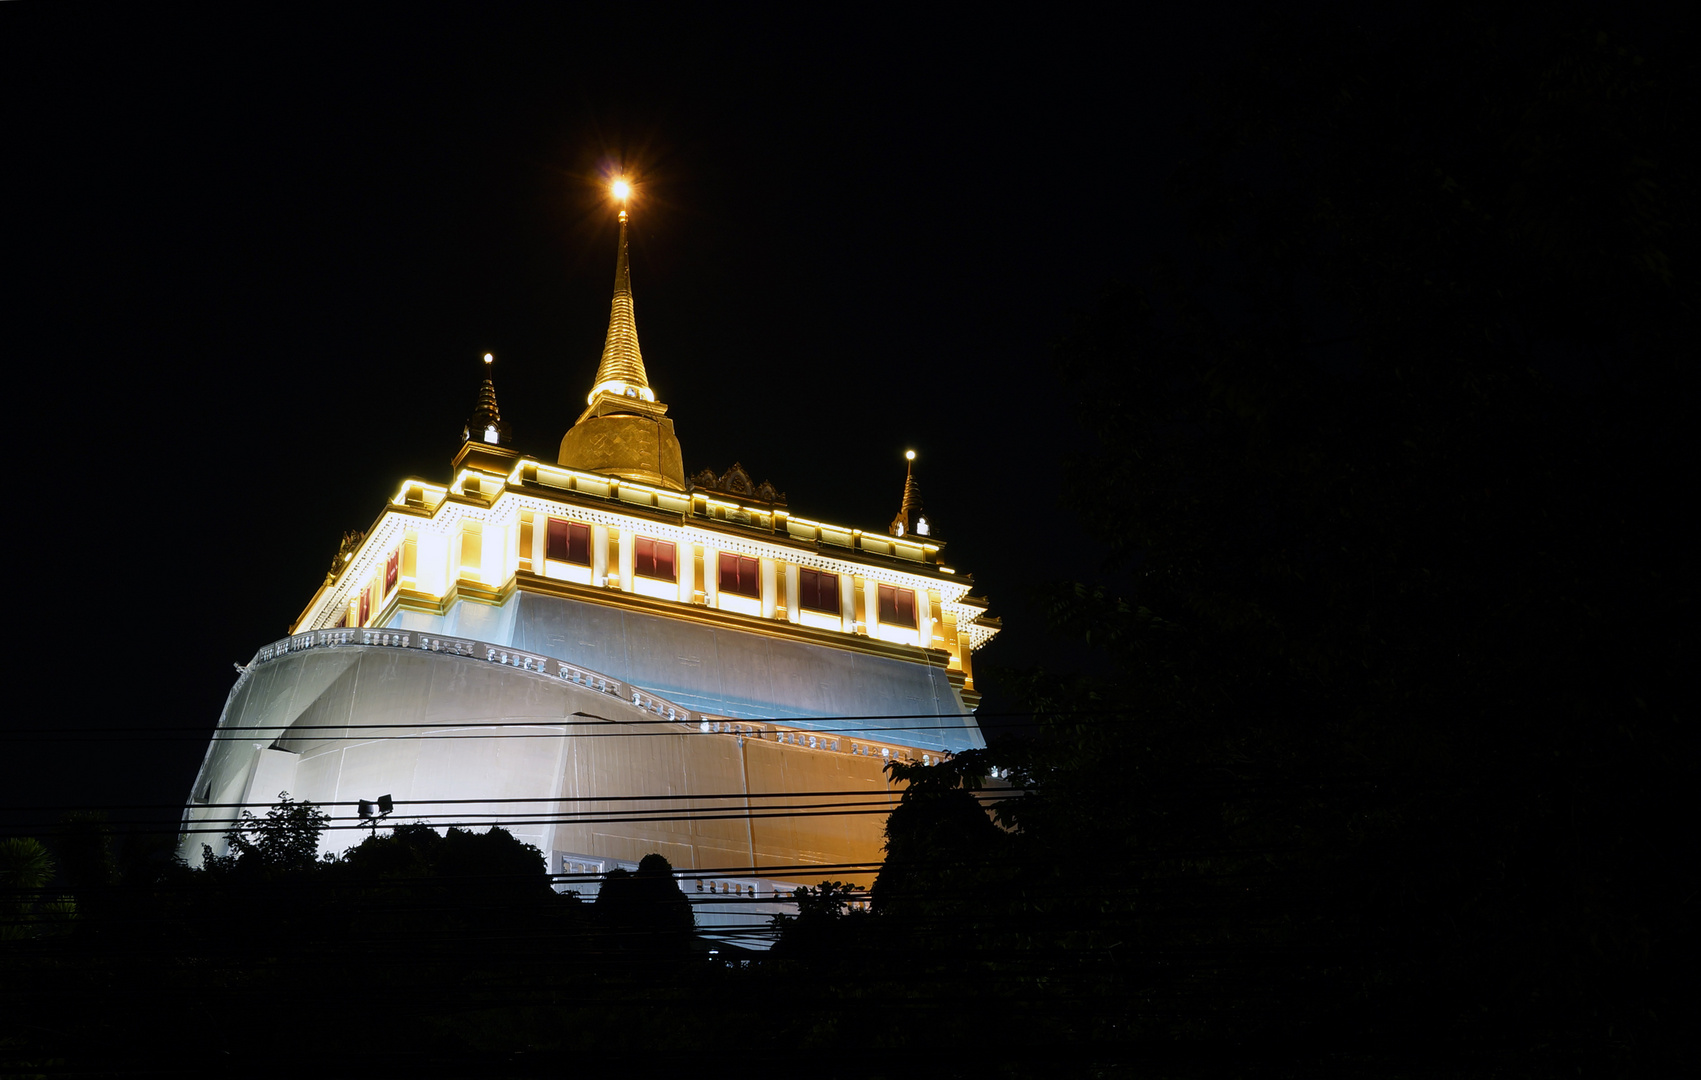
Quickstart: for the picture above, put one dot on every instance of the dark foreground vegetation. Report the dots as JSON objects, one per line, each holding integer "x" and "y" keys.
{"x": 1374, "y": 761}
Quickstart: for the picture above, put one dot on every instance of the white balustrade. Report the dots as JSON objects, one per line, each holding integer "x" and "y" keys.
{"x": 545, "y": 665}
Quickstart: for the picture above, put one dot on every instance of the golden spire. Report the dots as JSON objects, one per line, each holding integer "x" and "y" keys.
{"x": 621, "y": 371}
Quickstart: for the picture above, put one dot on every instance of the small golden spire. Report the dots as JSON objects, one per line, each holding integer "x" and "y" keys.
{"x": 910, "y": 518}
{"x": 485, "y": 425}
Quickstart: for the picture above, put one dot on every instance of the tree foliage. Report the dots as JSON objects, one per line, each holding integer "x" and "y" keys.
{"x": 827, "y": 920}
{"x": 28, "y": 909}
{"x": 1379, "y": 725}
{"x": 286, "y": 839}
{"x": 645, "y": 911}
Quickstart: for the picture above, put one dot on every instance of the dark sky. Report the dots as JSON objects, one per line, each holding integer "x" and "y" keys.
{"x": 254, "y": 262}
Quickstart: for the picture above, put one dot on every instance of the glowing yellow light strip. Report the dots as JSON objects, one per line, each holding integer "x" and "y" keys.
{"x": 507, "y": 506}
{"x": 461, "y": 477}
{"x": 509, "y": 503}
{"x": 402, "y": 495}
{"x": 691, "y": 532}
{"x": 612, "y": 482}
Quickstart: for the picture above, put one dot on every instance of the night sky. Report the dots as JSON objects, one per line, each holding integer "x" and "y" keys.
{"x": 255, "y": 262}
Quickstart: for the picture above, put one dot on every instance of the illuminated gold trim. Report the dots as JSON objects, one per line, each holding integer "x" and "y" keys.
{"x": 542, "y": 497}
{"x": 382, "y": 617}
{"x": 707, "y": 616}
{"x": 541, "y": 470}
{"x": 401, "y": 496}
{"x": 963, "y": 684}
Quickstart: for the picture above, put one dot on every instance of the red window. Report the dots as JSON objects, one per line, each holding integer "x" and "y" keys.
{"x": 818, "y": 591}
{"x": 740, "y": 575}
{"x": 365, "y": 605}
{"x": 897, "y": 606}
{"x": 568, "y": 541}
{"x": 653, "y": 558}
{"x": 392, "y": 571}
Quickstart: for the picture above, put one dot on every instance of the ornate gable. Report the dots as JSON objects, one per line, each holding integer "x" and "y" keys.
{"x": 735, "y": 484}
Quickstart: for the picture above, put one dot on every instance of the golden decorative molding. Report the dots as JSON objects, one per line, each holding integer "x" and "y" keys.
{"x": 731, "y": 620}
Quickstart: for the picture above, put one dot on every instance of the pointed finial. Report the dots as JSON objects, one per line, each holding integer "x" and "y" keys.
{"x": 621, "y": 190}
{"x": 485, "y": 425}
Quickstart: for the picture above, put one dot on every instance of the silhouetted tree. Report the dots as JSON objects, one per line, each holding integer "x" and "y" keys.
{"x": 645, "y": 911}
{"x": 455, "y": 879}
{"x": 1381, "y": 728}
{"x": 27, "y": 908}
{"x": 941, "y": 847}
{"x": 286, "y": 839}
{"x": 87, "y": 858}
{"x": 828, "y": 920}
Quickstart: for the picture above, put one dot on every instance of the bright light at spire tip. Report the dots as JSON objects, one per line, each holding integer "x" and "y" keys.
{"x": 622, "y": 190}
{"x": 488, "y": 358}
{"x": 909, "y": 455}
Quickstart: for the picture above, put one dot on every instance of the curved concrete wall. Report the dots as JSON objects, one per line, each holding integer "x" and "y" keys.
{"x": 301, "y": 722}
{"x": 727, "y": 671}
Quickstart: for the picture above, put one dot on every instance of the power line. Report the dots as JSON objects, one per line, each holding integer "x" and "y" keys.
{"x": 588, "y": 720}
{"x": 624, "y": 733}
{"x": 713, "y": 816}
{"x": 687, "y": 874}
{"x": 444, "y": 802}
{"x": 892, "y": 795}
{"x": 1250, "y": 787}
{"x": 451, "y": 737}
{"x": 593, "y": 721}
{"x": 221, "y": 826}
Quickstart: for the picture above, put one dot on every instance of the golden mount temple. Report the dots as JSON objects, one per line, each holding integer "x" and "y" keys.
{"x": 610, "y": 658}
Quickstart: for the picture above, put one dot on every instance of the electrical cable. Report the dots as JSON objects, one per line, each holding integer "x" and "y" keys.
{"x": 591, "y": 720}
{"x": 446, "y": 802}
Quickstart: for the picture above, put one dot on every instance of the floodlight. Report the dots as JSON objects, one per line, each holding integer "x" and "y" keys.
{"x": 371, "y": 812}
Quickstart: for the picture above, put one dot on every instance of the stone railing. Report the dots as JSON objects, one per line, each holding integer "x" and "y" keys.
{"x": 549, "y": 667}
{"x": 476, "y": 650}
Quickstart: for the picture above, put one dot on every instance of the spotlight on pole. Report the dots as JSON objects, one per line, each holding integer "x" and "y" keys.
{"x": 371, "y": 813}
